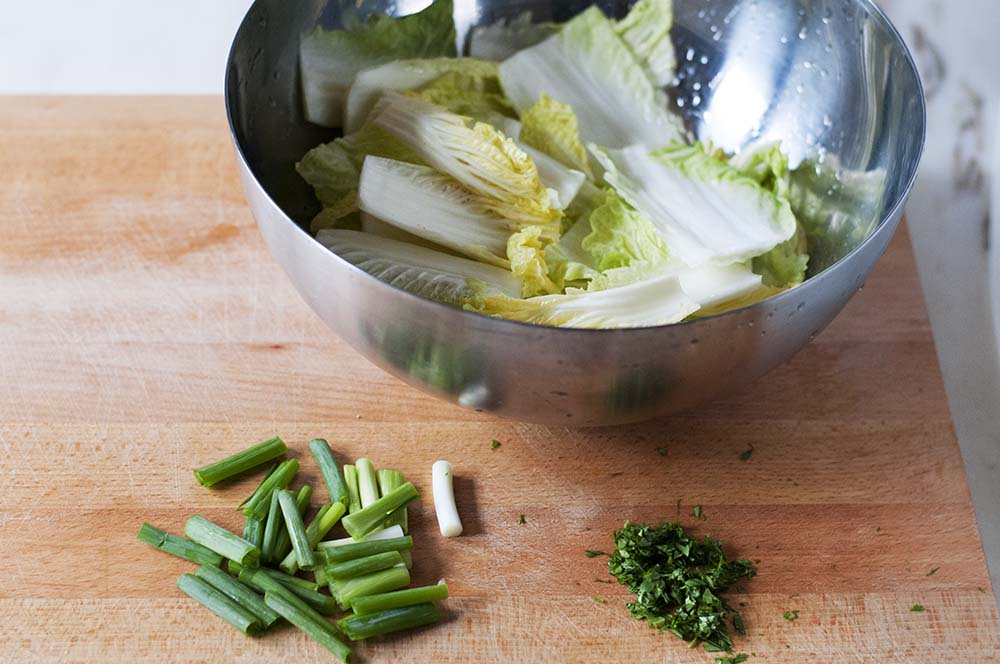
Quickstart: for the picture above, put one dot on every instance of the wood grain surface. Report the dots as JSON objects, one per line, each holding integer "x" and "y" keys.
{"x": 145, "y": 330}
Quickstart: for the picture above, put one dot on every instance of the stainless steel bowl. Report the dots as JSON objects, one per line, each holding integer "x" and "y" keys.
{"x": 832, "y": 79}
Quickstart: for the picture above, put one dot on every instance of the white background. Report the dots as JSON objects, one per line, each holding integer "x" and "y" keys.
{"x": 180, "y": 46}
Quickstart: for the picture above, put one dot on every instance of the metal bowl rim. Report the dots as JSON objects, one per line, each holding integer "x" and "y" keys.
{"x": 777, "y": 299}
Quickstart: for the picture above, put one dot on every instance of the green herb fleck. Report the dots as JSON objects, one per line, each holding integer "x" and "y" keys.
{"x": 738, "y": 623}
{"x": 599, "y": 600}
{"x": 738, "y": 659}
{"x": 931, "y": 573}
{"x": 917, "y": 608}
{"x": 746, "y": 455}
{"x": 678, "y": 581}
{"x": 662, "y": 451}
{"x": 495, "y": 444}
{"x": 593, "y": 554}
{"x": 792, "y": 615}
{"x": 981, "y": 589}
{"x": 520, "y": 520}
{"x": 878, "y": 529}
{"x": 696, "y": 512}
{"x": 678, "y": 507}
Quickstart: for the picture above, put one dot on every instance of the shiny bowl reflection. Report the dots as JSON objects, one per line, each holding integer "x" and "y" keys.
{"x": 831, "y": 79}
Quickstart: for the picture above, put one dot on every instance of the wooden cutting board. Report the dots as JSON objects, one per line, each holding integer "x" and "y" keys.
{"x": 145, "y": 330}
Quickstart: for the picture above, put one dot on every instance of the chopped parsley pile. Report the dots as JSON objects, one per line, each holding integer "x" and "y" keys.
{"x": 678, "y": 582}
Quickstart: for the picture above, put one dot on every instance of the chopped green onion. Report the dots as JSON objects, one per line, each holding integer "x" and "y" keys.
{"x": 252, "y": 457}
{"x": 178, "y": 546}
{"x": 290, "y": 580}
{"x": 312, "y": 601}
{"x": 320, "y": 630}
{"x": 216, "y": 602}
{"x": 448, "y": 520}
{"x": 296, "y": 530}
{"x": 270, "y": 471}
{"x": 367, "y": 482}
{"x": 369, "y": 518}
{"x": 365, "y": 626}
{"x": 272, "y": 528}
{"x": 361, "y": 566}
{"x": 385, "y": 533}
{"x": 328, "y": 468}
{"x": 347, "y": 591}
{"x": 220, "y": 540}
{"x": 388, "y": 480}
{"x": 345, "y": 552}
{"x": 237, "y": 592}
{"x": 320, "y": 576}
{"x": 351, "y": 483}
{"x": 399, "y": 598}
{"x": 284, "y": 545}
{"x": 279, "y": 479}
{"x": 253, "y": 530}
{"x": 322, "y": 523}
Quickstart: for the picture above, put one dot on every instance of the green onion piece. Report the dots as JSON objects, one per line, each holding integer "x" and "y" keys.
{"x": 178, "y": 546}
{"x": 367, "y": 482}
{"x": 345, "y": 552}
{"x": 272, "y": 528}
{"x": 407, "y": 559}
{"x": 261, "y": 581}
{"x": 284, "y": 545}
{"x": 328, "y": 468}
{"x": 220, "y": 540}
{"x": 270, "y": 471}
{"x": 347, "y": 591}
{"x": 389, "y": 480}
{"x": 279, "y": 479}
{"x": 351, "y": 483}
{"x": 365, "y": 626}
{"x": 253, "y": 530}
{"x": 320, "y": 630}
{"x": 362, "y": 566}
{"x": 369, "y": 518}
{"x": 296, "y": 530}
{"x": 289, "y": 580}
{"x": 219, "y": 604}
{"x": 322, "y": 523}
{"x": 237, "y": 592}
{"x": 240, "y": 462}
{"x": 399, "y": 599}
{"x": 320, "y": 576}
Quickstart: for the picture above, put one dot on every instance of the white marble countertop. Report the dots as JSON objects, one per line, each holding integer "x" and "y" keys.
{"x": 138, "y": 46}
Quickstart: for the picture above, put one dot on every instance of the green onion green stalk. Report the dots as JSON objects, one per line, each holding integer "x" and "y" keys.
{"x": 319, "y": 630}
{"x": 261, "y": 581}
{"x": 367, "y": 625}
{"x": 270, "y": 471}
{"x": 296, "y": 530}
{"x": 239, "y": 593}
{"x": 253, "y": 530}
{"x": 240, "y": 462}
{"x": 347, "y": 591}
{"x": 279, "y": 479}
{"x": 328, "y": 468}
{"x": 284, "y": 545}
{"x": 351, "y": 483}
{"x": 345, "y": 552}
{"x": 290, "y": 580}
{"x": 372, "y": 517}
{"x": 367, "y": 482}
{"x": 220, "y": 540}
{"x": 363, "y": 566}
{"x": 272, "y": 528}
{"x": 388, "y": 481}
{"x": 399, "y": 599}
{"x": 322, "y": 523}
{"x": 178, "y": 546}
{"x": 216, "y": 602}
